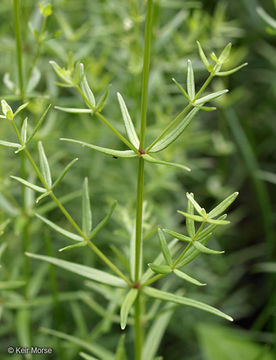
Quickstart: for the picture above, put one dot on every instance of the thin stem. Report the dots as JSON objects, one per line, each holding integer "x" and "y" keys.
{"x": 18, "y": 47}
{"x": 146, "y": 67}
{"x": 66, "y": 213}
{"x": 140, "y": 180}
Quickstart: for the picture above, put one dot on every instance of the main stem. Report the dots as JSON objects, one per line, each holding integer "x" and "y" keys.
{"x": 140, "y": 180}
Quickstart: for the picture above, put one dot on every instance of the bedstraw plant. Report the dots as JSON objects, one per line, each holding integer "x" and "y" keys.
{"x": 177, "y": 249}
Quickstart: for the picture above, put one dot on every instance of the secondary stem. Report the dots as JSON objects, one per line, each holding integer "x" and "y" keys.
{"x": 140, "y": 179}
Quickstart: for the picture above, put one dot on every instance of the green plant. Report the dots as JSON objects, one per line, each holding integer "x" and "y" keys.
{"x": 135, "y": 282}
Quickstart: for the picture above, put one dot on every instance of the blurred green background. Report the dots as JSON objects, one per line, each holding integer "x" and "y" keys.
{"x": 232, "y": 149}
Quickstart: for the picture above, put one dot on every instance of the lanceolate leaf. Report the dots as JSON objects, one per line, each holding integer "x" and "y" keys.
{"x": 120, "y": 351}
{"x": 190, "y": 81}
{"x": 202, "y": 219}
{"x": 210, "y": 97}
{"x": 29, "y": 185}
{"x": 86, "y": 89}
{"x": 87, "y": 357}
{"x": 190, "y": 224}
{"x": 164, "y": 247}
{"x": 266, "y": 17}
{"x": 82, "y": 270}
{"x": 223, "y": 205}
{"x": 230, "y": 72}
{"x": 166, "y": 296}
{"x": 111, "y": 152}
{"x": 86, "y": 209}
{"x": 181, "y": 89}
{"x": 103, "y": 222}
{"x": 59, "y": 229}
{"x": 10, "y": 285}
{"x": 24, "y": 131}
{"x": 64, "y": 172}
{"x": 95, "y": 349}
{"x": 74, "y": 110}
{"x": 160, "y": 162}
{"x": 127, "y": 305}
{"x": 45, "y": 169}
{"x": 173, "y": 134}
{"x": 192, "y": 252}
{"x": 195, "y": 204}
{"x": 38, "y": 125}
{"x": 203, "y": 57}
{"x": 188, "y": 278}
{"x": 9, "y": 144}
{"x": 225, "y": 53}
{"x": 69, "y": 247}
{"x": 209, "y": 229}
{"x": 128, "y": 122}
{"x": 177, "y": 235}
{"x": 160, "y": 269}
{"x": 204, "y": 249}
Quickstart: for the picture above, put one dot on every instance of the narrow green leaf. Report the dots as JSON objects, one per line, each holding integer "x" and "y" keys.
{"x": 192, "y": 252}
{"x": 69, "y": 247}
{"x": 225, "y": 53}
{"x": 95, "y": 349}
{"x": 86, "y": 89}
{"x": 223, "y": 205}
{"x": 164, "y": 247}
{"x": 200, "y": 247}
{"x": 177, "y": 236}
{"x": 86, "y": 209}
{"x": 64, "y": 172}
{"x": 155, "y": 334}
{"x": 209, "y": 229}
{"x": 190, "y": 224}
{"x": 195, "y": 204}
{"x": 59, "y": 229}
{"x": 12, "y": 284}
{"x": 266, "y": 17}
{"x": 202, "y": 219}
{"x": 230, "y": 72}
{"x": 210, "y": 97}
{"x": 63, "y": 74}
{"x": 120, "y": 351}
{"x": 131, "y": 133}
{"x": 188, "y": 278}
{"x": 203, "y": 57}
{"x": 74, "y": 110}
{"x": 190, "y": 81}
{"x": 181, "y": 89}
{"x": 126, "y": 306}
{"x": 29, "y": 185}
{"x": 160, "y": 269}
{"x": 23, "y": 133}
{"x": 86, "y": 356}
{"x": 20, "y": 108}
{"x": 111, "y": 152}
{"x": 161, "y": 162}
{"x": 9, "y": 144}
{"x": 47, "y": 193}
{"x": 82, "y": 270}
{"x": 208, "y": 108}
{"x": 103, "y": 222}
{"x": 165, "y": 296}
{"x": 38, "y": 125}
{"x": 172, "y": 135}
{"x": 45, "y": 169}
{"x": 101, "y": 102}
